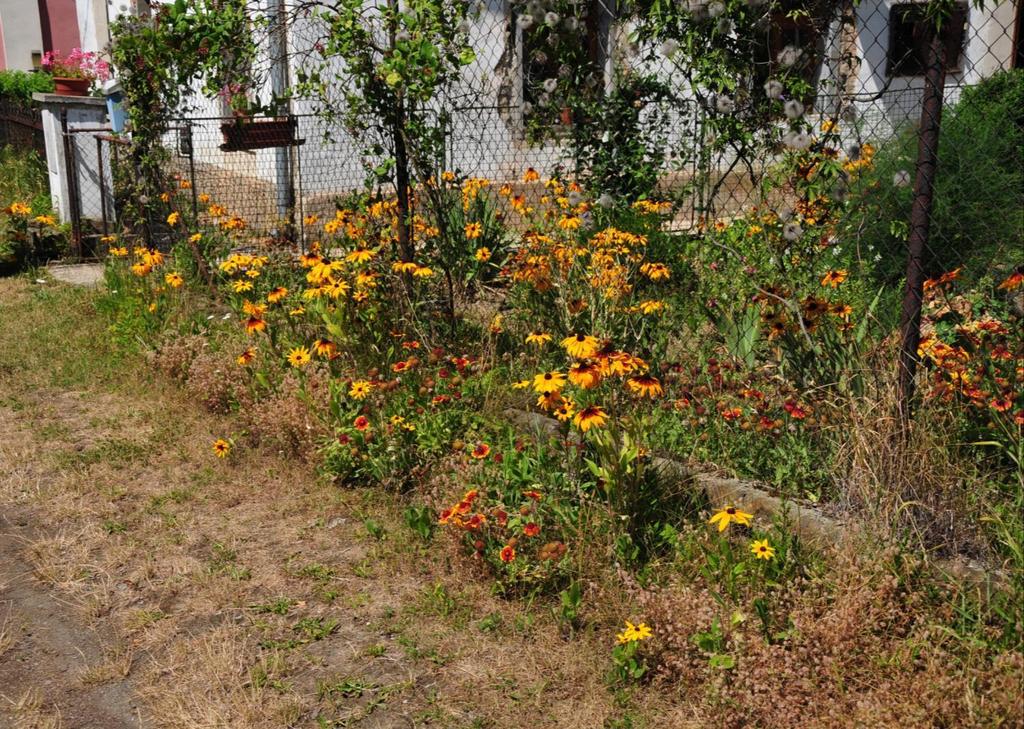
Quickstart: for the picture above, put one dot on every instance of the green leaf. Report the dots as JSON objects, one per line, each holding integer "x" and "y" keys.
{"x": 722, "y": 661}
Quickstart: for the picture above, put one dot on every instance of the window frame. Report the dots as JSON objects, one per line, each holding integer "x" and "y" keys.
{"x": 910, "y": 65}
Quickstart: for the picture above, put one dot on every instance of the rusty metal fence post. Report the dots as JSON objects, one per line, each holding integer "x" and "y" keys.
{"x": 920, "y": 220}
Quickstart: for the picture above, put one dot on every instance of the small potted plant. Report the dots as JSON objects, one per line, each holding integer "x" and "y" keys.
{"x": 74, "y": 74}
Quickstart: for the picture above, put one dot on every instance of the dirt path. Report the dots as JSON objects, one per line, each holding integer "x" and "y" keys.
{"x": 47, "y": 653}
{"x": 148, "y": 583}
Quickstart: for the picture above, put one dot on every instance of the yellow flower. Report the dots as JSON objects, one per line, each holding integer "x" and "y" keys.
{"x": 762, "y": 550}
{"x": 45, "y": 220}
{"x": 423, "y": 272}
{"x": 336, "y": 289}
{"x": 655, "y": 271}
{"x": 584, "y": 375}
{"x": 247, "y": 356}
{"x": 195, "y": 237}
{"x": 520, "y": 385}
{"x": 728, "y": 515}
{"x": 633, "y": 633}
{"x": 473, "y": 230}
{"x": 651, "y": 306}
{"x": 297, "y": 311}
{"x": 482, "y": 254}
{"x": 325, "y": 348}
{"x": 221, "y": 448}
{"x": 834, "y": 278}
{"x": 565, "y": 410}
{"x": 18, "y": 208}
{"x": 360, "y": 255}
{"x": 277, "y": 294}
{"x": 173, "y": 218}
{"x": 581, "y": 346}
{"x": 141, "y": 269}
{"x": 359, "y": 389}
{"x": 174, "y": 280}
{"x": 538, "y": 338}
{"x": 548, "y": 382}
{"x": 590, "y": 417}
{"x": 241, "y": 286}
{"x": 118, "y": 252}
{"x": 299, "y": 357}
{"x": 203, "y": 198}
{"x": 645, "y": 385}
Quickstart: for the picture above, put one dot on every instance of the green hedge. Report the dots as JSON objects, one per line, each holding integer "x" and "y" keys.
{"x": 19, "y": 86}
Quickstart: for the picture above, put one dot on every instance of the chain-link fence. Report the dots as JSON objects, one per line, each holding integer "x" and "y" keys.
{"x": 884, "y": 85}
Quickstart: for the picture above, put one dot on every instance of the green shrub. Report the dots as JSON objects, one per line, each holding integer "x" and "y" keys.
{"x": 19, "y": 86}
{"x": 977, "y": 217}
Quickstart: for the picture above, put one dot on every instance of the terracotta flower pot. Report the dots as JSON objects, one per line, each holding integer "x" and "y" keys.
{"x": 71, "y": 86}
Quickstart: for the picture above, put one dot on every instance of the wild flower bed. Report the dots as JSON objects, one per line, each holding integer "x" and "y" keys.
{"x": 751, "y": 345}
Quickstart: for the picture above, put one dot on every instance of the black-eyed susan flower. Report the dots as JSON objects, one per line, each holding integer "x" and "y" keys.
{"x": 538, "y": 338}
{"x": 762, "y": 550}
{"x": 565, "y": 410}
{"x": 531, "y": 175}
{"x": 473, "y": 230}
{"x": 325, "y": 348}
{"x": 581, "y": 346}
{"x": 593, "y": 416}
{"x": 834, "y": 278}
{"x": 255, "y": 324}
{"x": 361, "y": 255}
{"x": 277, "y": 294}
{"x": 174, "y": 280}
{"x": 241, "y": 286}
{"x": 482, "y": 254}
{"x": 585, "y": 375}
{"x": 359, "y": 389}
{"x": 548, "y": 382}
{"x": 645, "y": 386}
{"x": 299, "y": 357}
{"x": 656, "y": 271}
{"x": 221, "y": 448}
{"x": 633, "y": 633}
{"x": 247, "y": 356}
{"x": 173, "y": 218}
{"x": 729, "y": 515}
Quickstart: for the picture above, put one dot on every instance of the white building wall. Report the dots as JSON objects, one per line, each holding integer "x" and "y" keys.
{"x": 22, "y": 35}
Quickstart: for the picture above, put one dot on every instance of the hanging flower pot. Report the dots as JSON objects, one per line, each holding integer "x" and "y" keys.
{"x": 246, "y": 134}
{"x": 64, "y": 86}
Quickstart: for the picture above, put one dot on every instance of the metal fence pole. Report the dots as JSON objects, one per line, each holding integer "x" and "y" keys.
{"x": 71, "y": 167}
{"x": 920, "y": 219}
{"x": 192, "y": 168}
{"x": 103, "y": 184}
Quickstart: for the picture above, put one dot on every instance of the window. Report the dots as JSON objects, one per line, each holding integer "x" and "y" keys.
{"x": 797, "y": 31}
{"x": 910, "y": 36}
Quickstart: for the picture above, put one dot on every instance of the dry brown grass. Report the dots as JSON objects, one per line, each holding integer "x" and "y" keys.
{"x": 185, "y": 561}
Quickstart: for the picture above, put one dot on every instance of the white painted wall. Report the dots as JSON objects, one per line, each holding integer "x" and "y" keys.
{"x": 22, "y": 36}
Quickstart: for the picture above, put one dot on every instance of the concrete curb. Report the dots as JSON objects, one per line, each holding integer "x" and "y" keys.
{"x": 812, "y": 526}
